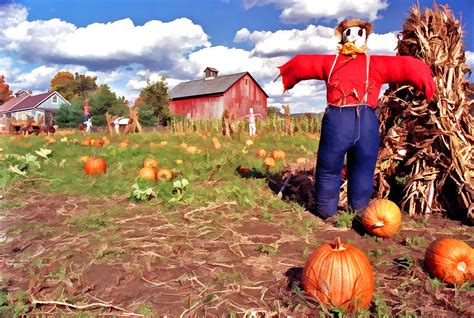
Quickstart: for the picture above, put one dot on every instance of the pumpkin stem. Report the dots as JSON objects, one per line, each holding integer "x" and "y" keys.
{"x": 338, "y": 245}
{"x": 462, "y": 267}
{"x": 379, "y": 224}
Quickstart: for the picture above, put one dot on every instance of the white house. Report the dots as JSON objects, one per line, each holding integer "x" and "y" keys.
{"x": 41, "y": 107}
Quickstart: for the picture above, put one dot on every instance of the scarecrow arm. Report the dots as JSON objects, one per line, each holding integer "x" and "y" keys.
{"x": 406, "y": 70}
{"x": 304, "y": 67}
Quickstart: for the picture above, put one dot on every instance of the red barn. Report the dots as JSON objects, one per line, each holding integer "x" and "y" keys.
{"x": 207, "y": 98}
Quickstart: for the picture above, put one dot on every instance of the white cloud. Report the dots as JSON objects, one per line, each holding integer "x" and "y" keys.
{"x": 298, "y": 11}
{"x": 242, "y": 35}
{"x": 102, "y": 46}
{"x": 8, "y": 69}
{"x": 470, "y": 59}
{"x": 383, "y": 44}
{"x": 38, "y": 79}
{"x": 233, "y": 60}
{"x": 312, "y": 40}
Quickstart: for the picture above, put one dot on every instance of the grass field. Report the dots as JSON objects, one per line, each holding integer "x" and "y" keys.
{"x": 213, "y": 244}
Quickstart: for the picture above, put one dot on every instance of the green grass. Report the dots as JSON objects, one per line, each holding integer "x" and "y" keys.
{"x": 62, "y": 174}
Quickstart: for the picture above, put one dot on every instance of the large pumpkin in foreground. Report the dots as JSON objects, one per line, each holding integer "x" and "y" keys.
{"x": 95, "y": 166}
{"x": 450, "y": 260}
{"x": 339, "y": 275}
{"x": 382, "y": 218}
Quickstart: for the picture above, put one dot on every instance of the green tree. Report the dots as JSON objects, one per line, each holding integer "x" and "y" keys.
{"x": 104, "y": 100}
{"x": 70, "y": 115}
{"x": 273, "y": 110}
{"x": 153, "y": 103}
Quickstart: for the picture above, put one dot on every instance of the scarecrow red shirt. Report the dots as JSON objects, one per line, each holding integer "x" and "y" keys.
{"x": 348, "y": 77}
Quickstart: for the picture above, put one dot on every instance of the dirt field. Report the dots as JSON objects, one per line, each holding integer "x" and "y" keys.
{"x": 62, "y": 254}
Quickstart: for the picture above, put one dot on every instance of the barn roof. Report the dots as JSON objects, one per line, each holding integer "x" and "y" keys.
{"x": 202, "y": 87}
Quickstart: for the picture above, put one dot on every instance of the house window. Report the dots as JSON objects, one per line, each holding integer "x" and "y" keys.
{"x": 246, "y": 81}
{"x": 55, "y": 99}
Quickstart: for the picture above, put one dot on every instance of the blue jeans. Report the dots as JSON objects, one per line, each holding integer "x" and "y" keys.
{"x": 353, "y": 130}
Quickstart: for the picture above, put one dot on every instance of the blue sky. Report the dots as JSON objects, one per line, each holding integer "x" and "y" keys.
{"x": 124, "y": 43}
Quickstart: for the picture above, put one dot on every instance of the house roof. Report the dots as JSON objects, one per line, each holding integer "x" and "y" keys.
{"x": 25, "y": 102}
{"x": 9, "y": 104}
{"x": 217, "y": 85}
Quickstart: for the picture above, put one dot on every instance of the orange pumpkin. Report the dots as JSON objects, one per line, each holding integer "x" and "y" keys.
{"x": 340, "y": 275}
{"x": 98, "y": 143}
{"x": 278, "y": 155}
{"x": 83, "y": 159}
{"x": 165, "y": 174}
{"x": 261, "y": 153}
{"x": 106, "y": 140}
{"x": 124, "y": 144}
{"x": 382, "y": 218}
{"x": 151, "y": 163}
{"x": 450, "y": 260}
{"x": 147, "y": 173}
{"x": 86, "y": 142}
{"x": 216, "y": 143}
{"x": 95, "y": 166}
{"x": 269, "y": 163}
{"x": 192, "y": 149}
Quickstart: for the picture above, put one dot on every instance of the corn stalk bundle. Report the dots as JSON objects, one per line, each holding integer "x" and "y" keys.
{"x": 426, "y": 155}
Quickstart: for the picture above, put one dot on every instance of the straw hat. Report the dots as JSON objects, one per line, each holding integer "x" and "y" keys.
{"x": 348, "y": 23}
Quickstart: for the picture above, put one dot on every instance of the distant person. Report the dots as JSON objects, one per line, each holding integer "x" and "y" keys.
{"x": 251, "y": 117}
{"x": 88, "y": 125}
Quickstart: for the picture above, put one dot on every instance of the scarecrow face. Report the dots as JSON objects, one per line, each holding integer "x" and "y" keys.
{"x": 355, "y": 35}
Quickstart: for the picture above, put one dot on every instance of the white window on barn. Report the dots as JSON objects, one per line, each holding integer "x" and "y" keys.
{"x": 55, "y": 99}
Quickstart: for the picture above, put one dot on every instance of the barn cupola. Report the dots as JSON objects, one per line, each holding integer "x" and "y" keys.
{"x": 210, "y": 73}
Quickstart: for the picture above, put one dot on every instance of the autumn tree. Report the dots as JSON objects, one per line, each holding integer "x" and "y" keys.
{"x": 73, "y": 86}
{"x": 85, "y": 84}
{"x": 64, "y": 84}
{"x": 5, "y": 92}
{"x": 153, "y": 103}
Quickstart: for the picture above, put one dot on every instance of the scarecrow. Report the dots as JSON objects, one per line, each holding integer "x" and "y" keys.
{"x": 350, "y": 124}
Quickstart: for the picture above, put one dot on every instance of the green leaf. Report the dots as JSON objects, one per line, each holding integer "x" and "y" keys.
{"x": 44, "y": 153}
{"x": 16, "y": 170}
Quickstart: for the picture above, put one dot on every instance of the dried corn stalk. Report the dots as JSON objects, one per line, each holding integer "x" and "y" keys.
{"x": 427, "y": 147}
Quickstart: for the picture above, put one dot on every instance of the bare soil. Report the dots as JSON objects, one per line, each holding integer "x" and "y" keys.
{"x": 65, "y": 253}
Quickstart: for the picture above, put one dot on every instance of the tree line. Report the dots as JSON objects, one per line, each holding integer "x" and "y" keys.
{"x": 152, "y": 101}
